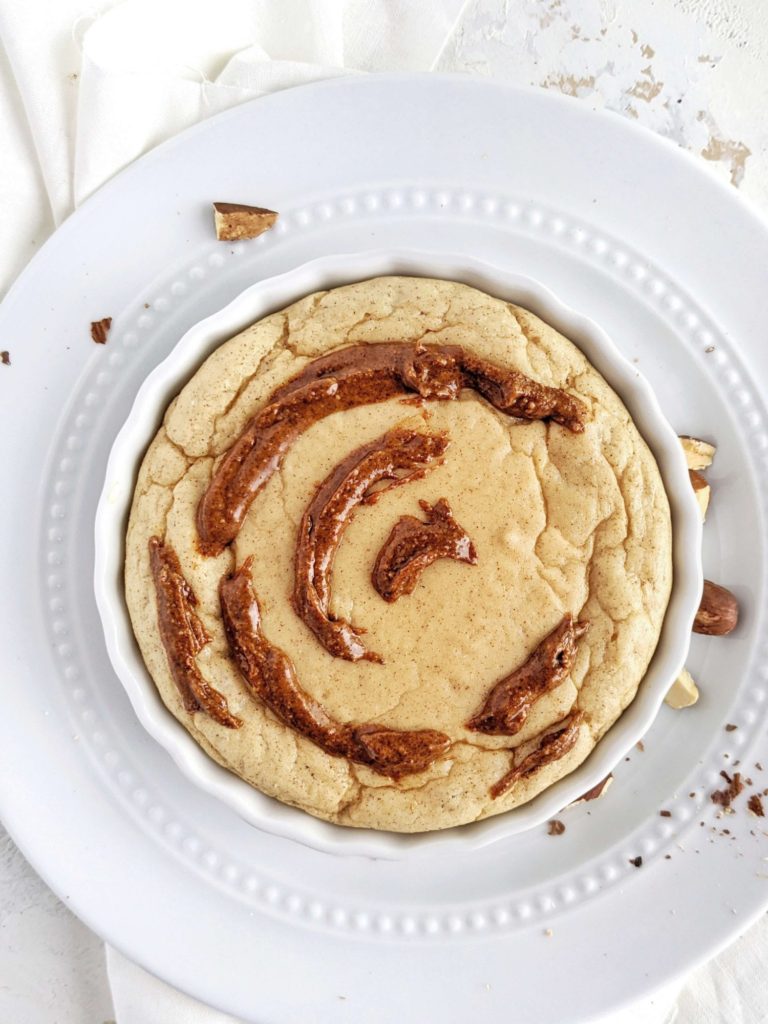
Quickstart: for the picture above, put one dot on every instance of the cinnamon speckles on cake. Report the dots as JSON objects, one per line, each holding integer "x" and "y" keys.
{"x": 548, "y": 508}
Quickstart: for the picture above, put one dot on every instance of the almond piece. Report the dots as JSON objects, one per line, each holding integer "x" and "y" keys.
{"x": 683, "y": 693}
{"x": 718, "y": 612}
{"x": 702, "y": 490}
{"x": 234, "y": 221}
{"x": 595, "y": 793}
{"x": 698, "y": 454}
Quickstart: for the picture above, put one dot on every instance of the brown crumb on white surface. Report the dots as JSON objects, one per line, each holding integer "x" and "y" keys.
{"x": 724, "y": 797}
{"x": 755, "y": 806}
{"x": 100, "y": 330}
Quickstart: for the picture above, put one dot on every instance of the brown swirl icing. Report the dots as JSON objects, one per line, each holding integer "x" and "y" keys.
{"x": 348, "y": 378}
{"x": 399, "y": 456}
{"x": 552, "y": 747}
{"x": 270, "y": 675}
{"x": 413, "y": 546}
{"x": 509, "y": 703}
{"x": 184, "y": 636}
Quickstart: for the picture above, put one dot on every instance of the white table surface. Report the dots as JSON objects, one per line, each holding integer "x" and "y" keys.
{"x": 693, "y": 70}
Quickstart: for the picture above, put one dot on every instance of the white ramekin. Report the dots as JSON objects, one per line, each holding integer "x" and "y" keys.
{"x": 169, "y": 377}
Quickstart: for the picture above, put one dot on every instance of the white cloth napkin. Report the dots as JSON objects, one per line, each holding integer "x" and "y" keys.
{"x": 98, "y": 83}
{"x": 140, "y": 998}
{"x": 86, "y": 87}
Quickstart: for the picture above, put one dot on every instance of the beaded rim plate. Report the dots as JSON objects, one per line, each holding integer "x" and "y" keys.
{"x": 519, "y": 179}
{"x": 114, "y": 505}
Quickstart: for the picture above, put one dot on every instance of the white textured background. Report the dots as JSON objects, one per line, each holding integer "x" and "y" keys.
{"x": 695, "y": 71}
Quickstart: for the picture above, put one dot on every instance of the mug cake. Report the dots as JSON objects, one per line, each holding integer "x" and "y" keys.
{"x": 398, "y": 555}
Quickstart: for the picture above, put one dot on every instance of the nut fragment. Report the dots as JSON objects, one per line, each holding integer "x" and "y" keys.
{"x": 702, "y": 490}
{"x": 100, "y": 330}
{"x": 594, "y": 793}
{"x": 718, "y": 612}
{"x": 234, "y": 221}
{"x": 698, "y": 454}
{"x": 683, "y": 693}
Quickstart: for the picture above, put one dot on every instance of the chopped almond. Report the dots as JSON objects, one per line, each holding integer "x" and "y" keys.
{"x": 234, "y": 221}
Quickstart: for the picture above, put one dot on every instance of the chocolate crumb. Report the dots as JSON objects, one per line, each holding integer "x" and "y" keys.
{"x": 730, "y": 727}
{"x": 637, "y": 861}
{"x": 755, "y": 805}
{"x": 146, "y": 306}
{"x": 709, "y": 348}
{"x": 724, "y": 797}
{"x": 100, "y": 330}
{"x": 667, "y": 856}
{"x": 758, "y": 766}
{"x": 692, "y": 795}
{"x": 5, "y": 358}
{"x": 665, "y": 814}
{"x": 556, "y": 828}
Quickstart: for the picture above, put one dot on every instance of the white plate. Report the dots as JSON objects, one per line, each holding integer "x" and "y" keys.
{"x": 168, "y": 378}
{"x": 621, "y": 226}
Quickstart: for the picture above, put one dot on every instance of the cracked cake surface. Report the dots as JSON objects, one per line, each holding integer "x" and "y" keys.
{"x": 563, "y": 523}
